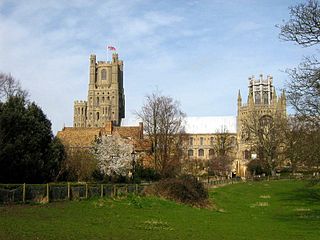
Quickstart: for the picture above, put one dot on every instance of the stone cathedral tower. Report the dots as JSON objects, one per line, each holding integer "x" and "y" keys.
{"x": 105, "y": 95}
{"x": 262, "y": 101}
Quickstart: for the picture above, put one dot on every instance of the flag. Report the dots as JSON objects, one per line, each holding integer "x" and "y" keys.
{"x": 111, "y": 48}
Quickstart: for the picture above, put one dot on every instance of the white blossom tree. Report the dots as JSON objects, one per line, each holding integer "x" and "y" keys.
{"x": 114, "y": 155}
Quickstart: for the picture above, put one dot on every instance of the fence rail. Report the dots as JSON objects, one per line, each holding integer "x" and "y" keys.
{"x": 211, "y": 182}
{"x": 43, "y": 193}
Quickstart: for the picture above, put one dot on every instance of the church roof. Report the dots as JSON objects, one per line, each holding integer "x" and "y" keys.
{"x": 210, "y": 124}
{"x": 202, "y": 125}
{"x": 78, "y": 137}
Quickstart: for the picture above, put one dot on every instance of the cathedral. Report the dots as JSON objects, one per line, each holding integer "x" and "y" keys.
{"x": 104, "y": 110}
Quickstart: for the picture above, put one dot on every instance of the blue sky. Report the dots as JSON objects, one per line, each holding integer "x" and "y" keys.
{"x": 199, "y": 52}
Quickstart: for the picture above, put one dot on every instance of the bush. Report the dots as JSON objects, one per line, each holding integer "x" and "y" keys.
{"x": 145, "y": 173}
{"x": 186, "y": 189}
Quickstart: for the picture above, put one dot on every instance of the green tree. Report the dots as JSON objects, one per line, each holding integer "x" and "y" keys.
{"x": 28, "y": 152}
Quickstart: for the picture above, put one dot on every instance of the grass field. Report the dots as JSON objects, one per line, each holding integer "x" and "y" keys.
{"x": 261, "y": 210}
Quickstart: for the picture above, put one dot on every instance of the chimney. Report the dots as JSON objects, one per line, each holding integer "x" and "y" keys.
{"x": 141, "y": 130}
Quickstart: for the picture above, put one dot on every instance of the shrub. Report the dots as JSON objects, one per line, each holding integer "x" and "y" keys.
{"x": 185, "y": 189}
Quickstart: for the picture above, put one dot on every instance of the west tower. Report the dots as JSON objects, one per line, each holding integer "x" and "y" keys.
{"x": 105, "y": 100}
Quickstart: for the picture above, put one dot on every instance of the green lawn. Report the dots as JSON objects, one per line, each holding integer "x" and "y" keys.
{"x": 264, "y": 210}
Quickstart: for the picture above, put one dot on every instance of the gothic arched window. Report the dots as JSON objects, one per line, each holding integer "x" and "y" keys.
{"x": 211, "y": 152}
{"x": 246, "y": 154}
{"x": 103, "y": 74}
{"x": 201, "y": 153}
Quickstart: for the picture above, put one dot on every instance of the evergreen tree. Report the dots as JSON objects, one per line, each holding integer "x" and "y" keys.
{"x": 28, "y": 151}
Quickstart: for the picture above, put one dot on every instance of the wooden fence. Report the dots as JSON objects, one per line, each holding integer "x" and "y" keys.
{"x": 43, "y": 193}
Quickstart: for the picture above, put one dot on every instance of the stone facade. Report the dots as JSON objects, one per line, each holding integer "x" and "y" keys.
{"x": 263, "y": 101}
{"x": 201, "y": 146}
{"x": 105, "y": 95}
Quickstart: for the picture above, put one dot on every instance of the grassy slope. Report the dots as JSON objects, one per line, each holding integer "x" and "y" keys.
{"x": 267, "y": 210}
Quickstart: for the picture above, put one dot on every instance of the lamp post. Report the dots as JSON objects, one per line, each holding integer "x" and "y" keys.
{"x": 133, "y": 156}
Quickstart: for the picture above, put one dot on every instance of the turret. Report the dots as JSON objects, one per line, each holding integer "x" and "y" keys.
{"x": 239, "y": 99}
{"x": 92, "y": 69}
{"x": 115, "y": 57}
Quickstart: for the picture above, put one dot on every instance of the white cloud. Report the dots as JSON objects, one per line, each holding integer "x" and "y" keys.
{"x": 187, "y": 50}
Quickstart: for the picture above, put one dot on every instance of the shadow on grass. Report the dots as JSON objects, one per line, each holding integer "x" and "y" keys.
{"x": 307, "y": 195}
{"x": 303, "y": 203}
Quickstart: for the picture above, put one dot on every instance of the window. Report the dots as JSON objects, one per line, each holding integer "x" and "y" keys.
{"x": 103, "y": 74}
{"x": 265, "y": 98}
{"x": 201, "y": 141}
{"x": 97, "y": 100}
{"x": 201, "y": 153}
{"x": 257, "y": 98}
{"x": 233, "y": 141}
{"x": 246, "y": 154}
{"x": 211, "y": 152}
{"x": 191, "y": 141}
{"x": 98, "y": 116}
{"x": 211, "y": 141}
{"x": 190, "y": 153}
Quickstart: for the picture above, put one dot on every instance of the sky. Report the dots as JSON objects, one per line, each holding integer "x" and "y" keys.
{"x": 198, "y": 52}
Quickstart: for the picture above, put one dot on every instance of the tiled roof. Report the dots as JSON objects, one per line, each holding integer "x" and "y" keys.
{"x": 78, "y": 137}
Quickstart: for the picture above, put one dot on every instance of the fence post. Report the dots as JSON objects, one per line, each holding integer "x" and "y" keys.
{"x": 86, "y": 190}
{"x": 24, "y": 193}
{"x": 68, "y": 191}
{"x": 114, "y": 191}
{"x": 101, "y": 194}
{"x": 136, "y": 189}
{"x": 48, "y": 192}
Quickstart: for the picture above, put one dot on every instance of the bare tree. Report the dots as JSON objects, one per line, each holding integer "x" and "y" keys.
{"x": 303, "y": 28}
{"x": 295, "y": 144}
{"x": 163, "y": 123}
{"x": 9, "y": 86}
{"x": 220, "y": 162}
{"x": 304, "y": 89}
{"x": 302, "y": 146}
{"x": 78, "y": 166}
{"x": 265, "y": 135}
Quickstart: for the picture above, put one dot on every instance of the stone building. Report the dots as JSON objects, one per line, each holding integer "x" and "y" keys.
{"x": 105, "y": 107}
{"x": 202, "y": 134}
{"x": 263, "y": 102}
{"x": 106, "y": 100}
{"x": 203, "y": 131}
